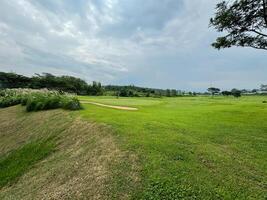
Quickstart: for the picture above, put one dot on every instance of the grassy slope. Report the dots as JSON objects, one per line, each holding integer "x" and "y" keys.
{"x": 56, "y": 155}
{"x": 193, "y": 148}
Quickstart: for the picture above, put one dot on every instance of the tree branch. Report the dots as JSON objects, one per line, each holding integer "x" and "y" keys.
{"x": 264, "y": 12}
{"x": 254, "y": 47}
{"x": 262, "y": 34}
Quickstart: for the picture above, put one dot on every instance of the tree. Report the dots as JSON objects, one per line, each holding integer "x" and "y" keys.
{"x": 226, "y": 93}
{"x": 95, "y": 89}
{"x": 123, "y": 93}
{"x": 213, "y": 90}
{"x": 263, "y": 87}
{"x": 61, "y": 83}
{"x": 12, "y": 80}
{"x": 244, "y": 22}
{"x": 168, "y": 92}
{"x": 130, "y": 93}
{"x": 254, "y": 90}
{"x": 236, "y": 93}
{"x": 173, "y": 93}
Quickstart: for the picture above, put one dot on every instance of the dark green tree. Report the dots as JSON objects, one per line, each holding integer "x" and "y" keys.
{"x": 226, "y": 93}
{"x": 213, "y": 90}
{"x": 236, "y": 93}
{"x": 168, "y": 92}
{"x": 244, "y": 23}
{"x": 61, "y": 83}
{"x": 12, "y": 80}
{"x": 173, "y": 93}
{"x": 263, "y": 87}
{"x": 123, "y": 93}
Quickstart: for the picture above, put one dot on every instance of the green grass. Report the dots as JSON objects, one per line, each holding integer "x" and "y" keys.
{"x": 171, "y": 148}
{"x": 192, "y": 148}
{"x": 122, "y": 101}
{"x": 19, "y": 161}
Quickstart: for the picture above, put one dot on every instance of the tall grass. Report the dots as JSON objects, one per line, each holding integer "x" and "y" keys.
{"x": 36, "y": 100}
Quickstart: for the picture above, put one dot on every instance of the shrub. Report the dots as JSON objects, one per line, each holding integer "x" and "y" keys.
{"x": 54, "y": 102}
{"x": 24, "y": 101}
{"x": 71, "y": 104}
{"x": 9, "y": 101}
{"x": 31, "y": 104}
{"x": 36, "y": 100}
{"x": 39, "y": 106}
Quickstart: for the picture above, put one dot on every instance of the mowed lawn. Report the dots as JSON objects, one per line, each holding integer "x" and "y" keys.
{"x": 191, "y": 147}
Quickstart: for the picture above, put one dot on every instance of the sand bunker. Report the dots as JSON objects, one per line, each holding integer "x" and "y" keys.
{"x": 110, "y": 106}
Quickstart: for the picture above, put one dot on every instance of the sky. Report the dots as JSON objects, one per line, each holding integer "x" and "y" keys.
{"x": 151, "y": 43}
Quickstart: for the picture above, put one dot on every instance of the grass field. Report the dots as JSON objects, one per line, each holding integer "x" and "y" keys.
{"x": 193, "y": 147}
{"x": 170, "y": 148}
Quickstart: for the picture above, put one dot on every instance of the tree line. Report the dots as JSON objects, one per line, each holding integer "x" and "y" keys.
{"x": 135, "y": 91}
{"x": 68, "y": 84}
{"x": 236, "y": 92}
{"x": 78, "y": 86}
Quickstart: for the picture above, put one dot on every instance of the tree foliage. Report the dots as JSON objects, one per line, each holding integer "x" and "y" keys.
{"x": 135, "y": 91}
{"x": 236, "y": 93}
{"x": 213, "y": 90}
{"x": 226, "y": 93}
{"x": 244, "y": 23}
{"x": 60, "y": 83}
{"x": 12, "y": 80}
{"x": 263, "y": 88}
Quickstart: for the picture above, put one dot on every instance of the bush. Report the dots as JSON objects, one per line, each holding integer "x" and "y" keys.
{"x": 9, "y": 101}
{"x": 24, "y": 100}
{"x": 72, "y": 104}
{"x": 53, "y": 102}
{"x": 36, "y": 100}
{"x": 31, "y": 106}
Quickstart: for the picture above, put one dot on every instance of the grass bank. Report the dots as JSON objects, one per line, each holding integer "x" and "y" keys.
{"x": 56, "y": 155}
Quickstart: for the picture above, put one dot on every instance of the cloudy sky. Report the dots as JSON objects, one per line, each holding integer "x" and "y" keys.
{"x": 153, "y": 43}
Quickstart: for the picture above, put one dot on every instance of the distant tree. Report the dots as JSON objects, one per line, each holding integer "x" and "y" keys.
{"x": 138, "y": 91}
{"x": 244, "y": 91}
{"x": 254, "y": 90}
{"x": 243, "y": 21}
{"x": 12, "y": 80}
{"x": 173, "y": 93}
{"x": 263, "y": 88}
{"x": 168, "y": 93}
{"x": 236, "y": 93}
{"x": 158, "y": 94}
{"x": 123, "y": 93}
{"x": 226, "y": 93}
{"x": 213, "y": 90}
{"x": 95, "y": 89}
{"x": 131, "y": 93}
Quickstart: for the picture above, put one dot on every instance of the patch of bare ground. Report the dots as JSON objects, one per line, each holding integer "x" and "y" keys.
{"x": 85, "y": 165}
{"x": 110, "y": 106}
